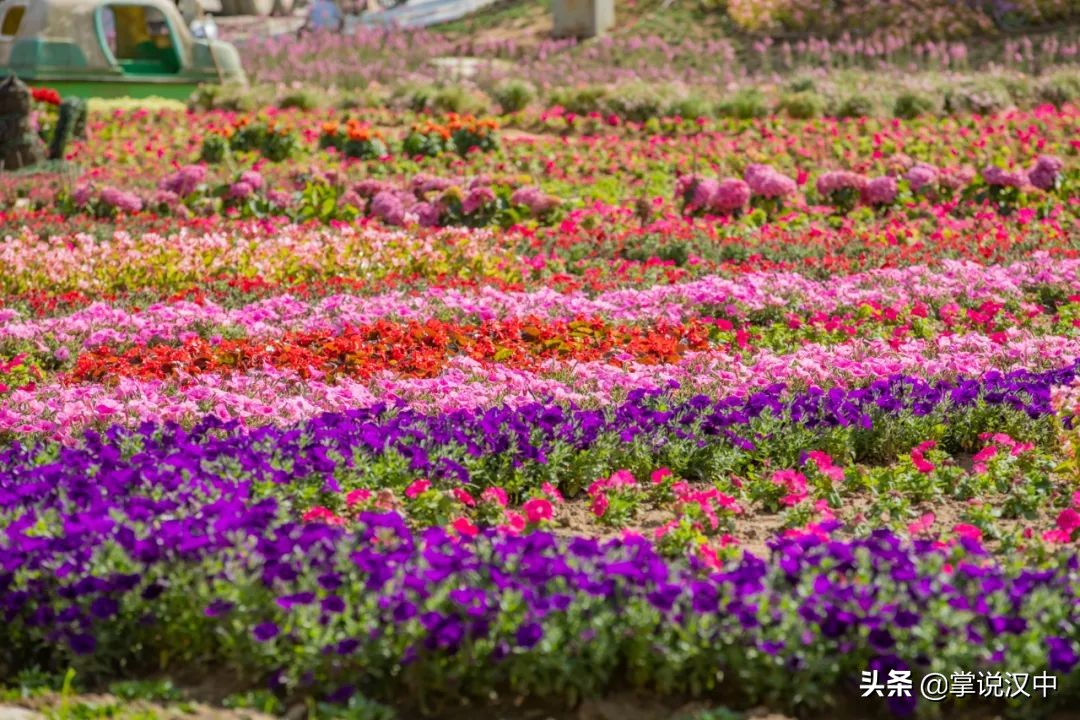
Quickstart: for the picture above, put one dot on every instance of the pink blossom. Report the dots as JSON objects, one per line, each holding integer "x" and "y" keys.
{"x": 462, "y": 496}
{"x": 417, "y": 488}
{"x": 464, "y": 527}
{"x": 477, "y": 198}
{"x": 323, "y": 515}
{"x": 880, "y": 190}
{"x": 357, "y": 497}
{"x": 538, "y": 510}
{"x": 731, "y": 194}
{"x": 1046, "y": 172}
{"x": 999, "y": 177}
{"x": 922, "y": 175}
{"x": 659, "y": 475}
{"x": 552, "y": 492}
{"x": 837, "y": 180}
{"x": 495, "y": 495}
{"x": 963, "y": 530}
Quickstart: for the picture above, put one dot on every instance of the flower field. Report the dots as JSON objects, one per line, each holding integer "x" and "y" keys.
{"x": 392, "y": 413}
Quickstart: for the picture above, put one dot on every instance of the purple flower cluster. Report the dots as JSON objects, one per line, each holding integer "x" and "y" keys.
{"x": 84, "y": 556}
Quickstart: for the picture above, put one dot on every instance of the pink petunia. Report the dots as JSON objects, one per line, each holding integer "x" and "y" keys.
{"x": 538, "y": 510}
{"x": 418, "y": 488}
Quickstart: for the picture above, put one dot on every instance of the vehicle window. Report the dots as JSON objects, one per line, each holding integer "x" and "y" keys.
{"x": 140, "y": 39}
{"x": 12, "y": 20}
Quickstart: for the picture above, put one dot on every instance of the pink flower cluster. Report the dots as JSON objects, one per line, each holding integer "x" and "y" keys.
{"x": 720, "y": 197}
{"x": 767, "y": 182}
{"x": 184, "y": 181}
{"x": 1044, "y": 175}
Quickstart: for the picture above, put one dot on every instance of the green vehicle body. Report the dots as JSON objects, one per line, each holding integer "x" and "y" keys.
{"x": 64, "y": 44}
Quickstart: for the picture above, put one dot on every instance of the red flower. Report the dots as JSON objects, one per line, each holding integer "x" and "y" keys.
{"x": 45, "y": 95}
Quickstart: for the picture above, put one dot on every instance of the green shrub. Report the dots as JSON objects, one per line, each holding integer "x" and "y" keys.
{"x": 357, "y": 99}
{"x": 744, "y": 105}
{"x": 417, "y": 98}
{"x": 856, "y": 106}
{"x": 802, "y": 105}
{"x": 636, "y": 101}
{"x": 910, "y": 105}
{"x": 982, "y": 96}
{"x": 1059, "y": 88}
{"x": 580, "y": 100}
{"x": 801, "y": 84}
{"x": 690, "y": 107}
{"x": 513, "y": 95}
{"x": 456, "y": 99}
{"x": 302, "y": 99}
{"x": 215, "y": 149}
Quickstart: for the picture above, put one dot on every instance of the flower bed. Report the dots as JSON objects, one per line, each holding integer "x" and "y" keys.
{"x": 423, "y": 413}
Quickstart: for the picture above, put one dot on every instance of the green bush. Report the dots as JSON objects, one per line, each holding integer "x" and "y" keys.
{"x": 690, "y": 107}
{"x": 802, "y": 105}
{"x": 744, "y": 105}
{"x": 215, "y": 149}
{"x": 801, "y": 84}
{"x": 456, "y": 99}
{"x": 982, "y": 96}
{"x": 302, "y": 99}
{"x": 910, "y": 105}
{"x": 513, "y": 95}
{"x": 856, "y": 106}
{"x": 357, "y": 99}
{"x": 1059, "y": 88}
{"x": 580, "y": 100}
{"x": 636, "y": 101}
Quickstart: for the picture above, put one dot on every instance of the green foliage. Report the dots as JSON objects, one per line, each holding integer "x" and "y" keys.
{"x": 581, "y": 100}
{"x": 982, "y": 96}
{"x": 743, "y": 105}
{"x": 301, "y": 99}
{"x": 690, "y": 107}
{"x": 1059, "y": 88}
{"x": 513, "y": 95}
{"x": 215, "y": 149}
{"x": 911, "y": 105}
{"x": 802, "y": 105}
{"x": 636, "y": 101}
{"x": 856, "y": 106}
